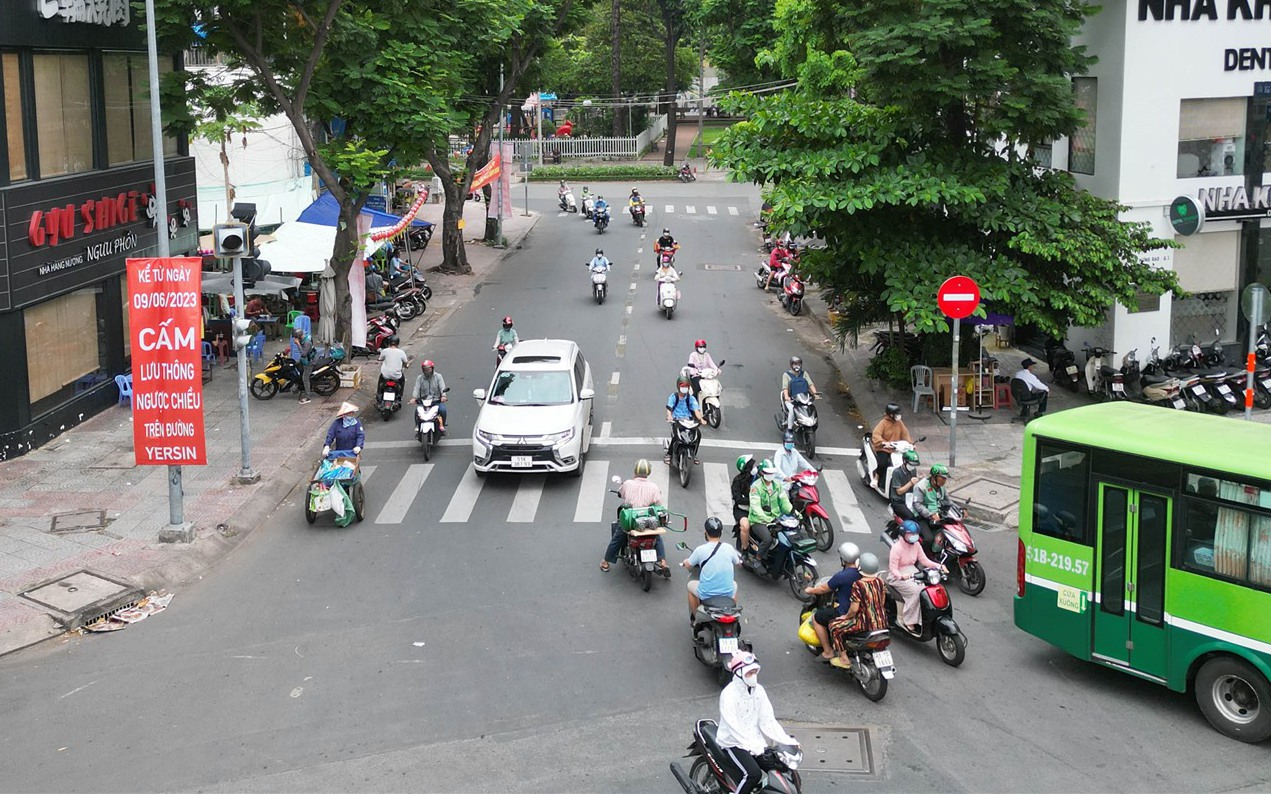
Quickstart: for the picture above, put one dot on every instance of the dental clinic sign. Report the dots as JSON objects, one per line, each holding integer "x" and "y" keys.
{"x": 164, "y": 315}
{"x": 89, "y": 12}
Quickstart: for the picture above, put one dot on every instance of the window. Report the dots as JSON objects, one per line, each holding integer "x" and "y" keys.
{"x": 1221, "y": 536}
{"x": 1062, "y": 488}
{"x": 127, "y": 80}
{"x": 1211, "y": 137}
{"x": 63, "y": 120}
{"x": 65, "y": 342}
{"x": 15, "y": 139}
{"x": 532, "y": 388}
{"x": 1081, "y": 144}
{"x": 123, "y": 292}
{"x": 580, "y": 372}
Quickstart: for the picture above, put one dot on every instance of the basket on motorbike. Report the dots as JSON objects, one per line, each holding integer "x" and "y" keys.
{"x": 336, "y": 487}
{"x": 800, "y": 538}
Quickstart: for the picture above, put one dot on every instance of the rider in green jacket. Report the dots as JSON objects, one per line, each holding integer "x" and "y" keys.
{"x": 768, "y": 502}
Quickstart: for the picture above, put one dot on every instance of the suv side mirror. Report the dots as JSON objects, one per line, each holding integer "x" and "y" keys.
{"x": 586, "y": 394}
{"x": 479, "y": 394}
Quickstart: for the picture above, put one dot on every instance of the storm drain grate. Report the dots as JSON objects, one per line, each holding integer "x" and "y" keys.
{"x": 708, "y": 266}
{"x": 82, "y": 596}
{"x": 78, "y": 521}
{"x": 835, "y": 748}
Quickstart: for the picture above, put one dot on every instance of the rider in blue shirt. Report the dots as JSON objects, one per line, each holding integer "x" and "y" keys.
{"x": 682, "y": 405}
{"x": 599, "y": 263}
{"x": 601, "y": 207}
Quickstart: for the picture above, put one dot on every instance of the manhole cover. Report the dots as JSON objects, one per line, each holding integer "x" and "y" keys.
{"x": 82, "y": 596}
{"x": 720, "y": 267}
{"x": 834, "y": 748}
{"x": 988, "y": 493}
{"x": 78, "y": 521}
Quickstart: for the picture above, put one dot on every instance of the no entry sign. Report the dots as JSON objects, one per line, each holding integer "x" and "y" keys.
{"x": 958, "y": 297}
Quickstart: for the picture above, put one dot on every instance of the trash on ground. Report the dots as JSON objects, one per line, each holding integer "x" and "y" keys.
{"x": 150, "y": 605}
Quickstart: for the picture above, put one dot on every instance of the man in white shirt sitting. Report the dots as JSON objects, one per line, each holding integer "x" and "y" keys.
{"x": 1034, "y": 384}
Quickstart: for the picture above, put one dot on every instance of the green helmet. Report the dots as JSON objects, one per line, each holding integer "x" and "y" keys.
{"x": 743, "y": 460}
{"x": 910, "y": 456}
{"x": 939, "y": 470}
{"x": 642, "y": 468}
{"x": 766, "y": 467}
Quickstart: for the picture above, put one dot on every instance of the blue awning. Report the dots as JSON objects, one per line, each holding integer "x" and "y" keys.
{"x": 325, "y": 211}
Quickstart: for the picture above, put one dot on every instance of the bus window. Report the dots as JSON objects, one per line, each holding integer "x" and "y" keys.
{"x": 1150, "y": 579}
{"x": 1220, "y": 538}
{"x": 1059, "y": 503}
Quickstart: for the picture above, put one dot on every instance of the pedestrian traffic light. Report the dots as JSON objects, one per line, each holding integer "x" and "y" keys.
{"x": 242, "y": 337}
{"x": 230, "y": 240}
{"x": 246, "y": 215}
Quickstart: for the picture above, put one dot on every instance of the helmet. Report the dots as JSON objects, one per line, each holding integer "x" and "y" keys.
{"x": 795, "y": 360}
{"x": 892, "y": 409}
{"x": 682, "y": 381}
{"x": 392, "y": 340}
{"x": 642, "y": 468}
{"x": 869, "y": 563}
{"x": 909, "y": 528}
{"x": 635, "y": 190}
{"x": 910, "y": 456}
{"x": 666, "y": 231}
{"x": 939, "y": 470}
{"x": 766, "y": 469}
{"x": 849, "y": 552}
{"x": 700, "y": 343}
{"x": 787, "y": 437}
{"x": 507, "y": 321}
{"x": 743, "y": 460}
{"x": 741, "y": 660}
{"x": 600, "y": 252}
{"x": 427, "y": 365}
{"x": 714, "y": 527}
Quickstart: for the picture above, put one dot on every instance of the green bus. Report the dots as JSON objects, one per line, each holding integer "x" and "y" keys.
{"x": 1145, "y": 546}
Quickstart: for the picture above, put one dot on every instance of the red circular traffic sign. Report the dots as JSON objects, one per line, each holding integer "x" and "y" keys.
{"x": 958, "y": 297}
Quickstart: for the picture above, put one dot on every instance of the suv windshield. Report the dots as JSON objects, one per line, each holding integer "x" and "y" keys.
{"x": 532, "y": 388}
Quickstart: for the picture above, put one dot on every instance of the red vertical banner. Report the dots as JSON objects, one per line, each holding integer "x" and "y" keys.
{"x": 164, "y": 317}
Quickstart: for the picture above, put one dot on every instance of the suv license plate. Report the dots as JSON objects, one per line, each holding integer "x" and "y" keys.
{"x": 389, "y": 397}
{"x": 521, "y": 461}
{"x": 728, "y": 645}
{"x": 882, "y": 659}
{"x": 648, "y": 555}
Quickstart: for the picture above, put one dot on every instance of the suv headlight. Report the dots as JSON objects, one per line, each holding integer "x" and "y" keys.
{"x": 556, "y": 439}
{"x": 489, "y": 438}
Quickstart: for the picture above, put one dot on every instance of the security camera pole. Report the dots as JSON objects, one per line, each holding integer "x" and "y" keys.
{"x": 231, "y": 240}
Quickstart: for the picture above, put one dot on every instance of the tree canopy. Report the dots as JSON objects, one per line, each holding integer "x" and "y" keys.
{"x": 905, "y": 145}
{"x": 736, "y": 31}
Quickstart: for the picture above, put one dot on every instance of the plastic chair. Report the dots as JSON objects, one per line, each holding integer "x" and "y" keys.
{"x": 920, "y": 378}
{"x": 1025, "y": 399}
{"x": 209, "y": 352}
{"x": 291, "y": 318}
{"x": 256, "y": 347}
{"x": 303, "y": 322}
{"x": 124, "y": 382}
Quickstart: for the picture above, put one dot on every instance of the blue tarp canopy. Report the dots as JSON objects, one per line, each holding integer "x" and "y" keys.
{"x": 325, "y": 211}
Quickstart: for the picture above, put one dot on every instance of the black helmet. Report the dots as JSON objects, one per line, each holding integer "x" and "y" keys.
{"x": 392, "y": 341}
{"x": 892, "y": 409}
{"x": 714, "y": 527}
{"x": 666, "y": 231}
{"x": 600, "y": 252}
{"x": 795, "y": 360}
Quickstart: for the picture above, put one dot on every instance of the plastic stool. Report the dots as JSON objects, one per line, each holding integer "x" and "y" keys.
{"x": 1002, "y": 395}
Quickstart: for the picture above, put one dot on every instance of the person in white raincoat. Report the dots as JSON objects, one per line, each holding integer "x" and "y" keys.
{"x": 747, "y": 725}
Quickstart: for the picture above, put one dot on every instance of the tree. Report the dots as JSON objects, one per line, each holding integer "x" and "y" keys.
{"x": 736, "y": 30}
{"x": 909, "y": 157}
{"x": 354, "y": 77}
{"x": 677, "y": 16}
{"x": 222, "y": 115}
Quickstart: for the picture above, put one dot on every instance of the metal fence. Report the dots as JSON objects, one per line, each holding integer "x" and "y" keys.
{"x": 621, "y": 148}
{"x": 1197, "y": 317}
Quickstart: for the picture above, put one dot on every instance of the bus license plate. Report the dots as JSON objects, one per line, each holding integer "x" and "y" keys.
{"x": 728, "y": 645}
{"x": 521, "y": 461}
{"x": 1072, "y": 369}
{"x": 882, "y": 659}
{"x": 1118, "y": 387}
{"x": 648, "y": 555}
{"x": 1198, "y": 390}
{"x": 389, "y": 397}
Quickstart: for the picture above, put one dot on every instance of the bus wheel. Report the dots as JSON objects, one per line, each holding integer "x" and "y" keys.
{"x": 1235, "y": 698}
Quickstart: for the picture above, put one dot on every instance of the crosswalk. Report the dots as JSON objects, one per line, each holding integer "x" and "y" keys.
{"x": 397, "y": 496}
{"x": 674, "y": 209}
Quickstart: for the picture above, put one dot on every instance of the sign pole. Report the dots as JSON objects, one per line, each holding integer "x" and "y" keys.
{"x": 502, "y": 165}
{"x": 957, "y": 297}
{"x": 1254, "y": 302}
{"x": 953, "y": 397}
{"x": 246, "y": 475}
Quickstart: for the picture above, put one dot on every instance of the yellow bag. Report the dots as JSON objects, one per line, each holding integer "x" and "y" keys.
{"x": 807, "y": 634}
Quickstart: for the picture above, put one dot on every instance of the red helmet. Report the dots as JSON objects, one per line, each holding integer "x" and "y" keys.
{"x": 700, "y": 343}
{"x": 427, "y": 364}
{"x": 507, "y": 321}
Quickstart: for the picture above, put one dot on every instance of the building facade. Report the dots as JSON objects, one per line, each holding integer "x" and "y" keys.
{"x": 76, "y": 201}
{"x": 1172, "y": 111}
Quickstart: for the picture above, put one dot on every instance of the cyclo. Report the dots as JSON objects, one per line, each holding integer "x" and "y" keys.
{"x": 643, "y": 526}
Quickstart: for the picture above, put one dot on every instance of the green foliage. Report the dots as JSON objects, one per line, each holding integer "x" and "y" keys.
{"x": 735, "y": 31}
{"x": 596, "y": 173}
{"x": 890, "y": 367}
{"x": 903, "y": 157}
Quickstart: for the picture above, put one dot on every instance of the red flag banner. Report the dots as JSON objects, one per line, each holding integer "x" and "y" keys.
{"x": 164, "y": 315}
{"x": 486, "y": 174}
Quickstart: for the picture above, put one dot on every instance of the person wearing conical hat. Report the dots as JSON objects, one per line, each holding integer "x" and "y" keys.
{"x": 346, "y": 432}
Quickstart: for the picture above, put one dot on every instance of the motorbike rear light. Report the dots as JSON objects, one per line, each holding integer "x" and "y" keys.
{"x": 1019, "y": 570}
{"x": 725, "y": 618}
{"x": 939, "y": 596}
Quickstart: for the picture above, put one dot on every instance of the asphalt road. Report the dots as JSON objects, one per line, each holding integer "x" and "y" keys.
{"x": 464, "y": 640}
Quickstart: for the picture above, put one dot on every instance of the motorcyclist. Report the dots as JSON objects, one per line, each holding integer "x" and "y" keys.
{"x": 601, "y": 207}
{"x": 639, "y": 491}
{"x": 682, "y": 405}
{"x": 929, "y": 496}
{"x": 562, "y": 190}
{"x": 747, "y": 725}
{"x": 346, "y": 432}
{"x": 788, "y": 460}
{"x": 664, "y": 243}
{"x": 699, "y": 360}
{"x": 794, "y": 382}
{"x": 841, "y": 585}
{"x": 586, "y": 196}
{"x": 902, "y": 565}
{"x": 393, "y": 364}
{"x": 868, "y": 610}
{"x": 890, "y": 429}
{"x": 746, "y": 474}
{"x": 599, "y": 263}
{"x": 666, "y": 272}
{"x": 506, "y": 336}
{"x": 634, "y": 200}
{"x": 903, "y": 479}
{"x": 429, "y": 383}
{"x": 778, "y": 262}
{"x": 768, "y": 502}
{"x": 716, "y": 559}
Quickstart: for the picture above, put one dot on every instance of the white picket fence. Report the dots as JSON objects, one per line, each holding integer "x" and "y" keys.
{"x": 622, "y": 148}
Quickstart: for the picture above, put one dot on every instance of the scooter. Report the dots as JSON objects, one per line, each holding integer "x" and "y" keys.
{"x": 1147, "y": 386}
{"x": 599, "y": 285}
{"x": 717, "y": 633}
{"x": 937, "y": 613}
{"x": 426, "y": 431}
{"x": 806, "y": 500}
{"x": 378, "y": 330}
{"x": 589, "y": 203}
{"x": 417, "y": 238}
{"x": 872, "y": 664}
{"x": 805, "y": 422}
{"x": 600, "y": 219}
{"x": 643, "y": 526}
{"x": 792, "y": 294}
{"x": 762, "y": 281}
{"x": 686, "y": 174}
{"x": 389, "y": 400}
{"x": 707, "y": 774}
{"x": 709, "y": 396}
{"x": 867, "y": 463}
{"x": 789, "y": 556}
{"x": 1097, "y": 372}
{"x": 682, "y": 448}
{"x": 668, "y": 297}
{"x": 664, "y": 255}
{"x": 1063, "y": 365}
{"x": 952, "y": 547}
{"x": 414, "y": 279}
{"x": 566, "y": 201}
{"x": 637, "y": 214}
{"x": 500, "y": 350}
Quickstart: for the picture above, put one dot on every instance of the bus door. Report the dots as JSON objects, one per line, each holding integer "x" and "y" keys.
{"x": 1129, "y": 618}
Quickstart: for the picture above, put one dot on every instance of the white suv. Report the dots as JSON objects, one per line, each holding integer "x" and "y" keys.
{"x": 537, "y": 413}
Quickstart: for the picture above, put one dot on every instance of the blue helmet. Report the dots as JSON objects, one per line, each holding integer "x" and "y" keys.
{"x": 909, "y": 528}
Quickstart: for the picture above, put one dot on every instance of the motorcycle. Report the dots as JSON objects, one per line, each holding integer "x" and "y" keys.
{"x": 761, "y": 278}
{"x": 643, "y": 526}
{"x": 717, "y": 634}
{"x": 426, "y": 432}
{"x": 599, "y": 285}
{"x": 283, "y": 374}
{"x": 872, "y": 664}
{"x": 589, "y": 204}
{"x": 668, "y": 296}
{"x": 780, "y": 765}
{"x": 600, "y": 219}
{"x": 1063, "y": 365}
{"x": 937, "y": 614}
{"x": 378, "y": 330}
{"x": 686, "y": 174}
{"x": 867, "y": 463}
{"x": 566, "y": 201}
{"x": 637, "y": 214}
{"x": 500, "y": 350}
{"x": 806, "y": 500}
{"x": 789, "y": 556}
{"x": 1101, "y": 379}
{"x": 1146, "y": 386}
{"x": 792, "y": 294}
{"x": 952, "y": 547}
{"x": 805, "y": 422}
{"x": 414, "y": 279}
{"x": 418, "y": 237}
{"x": 389, "y": 400}
{"x": 708, "y": 395}
{"x": 682, "y": 448}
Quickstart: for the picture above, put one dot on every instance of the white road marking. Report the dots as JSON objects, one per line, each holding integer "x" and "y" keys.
{"x": 464, "y": 498}
{"x": 661, "y": 474}
{"x": 613, "y": 380}
{"x": 851, "y": 519}
{"x": 628, "y": 310}
{"x": 733, "y": 211}
{"x": 633, "y": 289}
{"x": 670, "y": 208}
{"x": 719, "y": 491}
{"x": 691, "y": 210}
{"x": 633, "y": 441}
{"x": 525, "y": 504}
{"x": 400, "y": 500}
{"x": 605, "y": 429}
{"x": 622, "y": 339}
{"x": 637, "y": 264}
{"x": 639, "y": 251}
{"x": 711, "y": 211}
{"x": 592, "y": 492}
{"x": 367, "y": 471}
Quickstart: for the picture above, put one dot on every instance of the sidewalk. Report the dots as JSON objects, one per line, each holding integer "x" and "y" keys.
{"x": 80, "y": 502}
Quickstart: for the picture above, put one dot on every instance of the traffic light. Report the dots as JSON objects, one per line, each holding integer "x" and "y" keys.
{"x": 254, "y": 270}
{"x": 230, "y": 239}
{"x": 241, "y": 335}
{"x": 246, "y": 215}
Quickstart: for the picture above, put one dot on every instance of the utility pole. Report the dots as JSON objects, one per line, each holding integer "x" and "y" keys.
{"x": 503, "y": 179}
{"x": 701, "y": 101}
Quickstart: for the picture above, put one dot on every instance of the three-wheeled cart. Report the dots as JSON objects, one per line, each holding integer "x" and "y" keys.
{"x": 338, "y": 470}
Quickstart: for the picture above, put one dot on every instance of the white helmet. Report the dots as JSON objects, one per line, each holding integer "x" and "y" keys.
{"x": 849, "y": 552}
